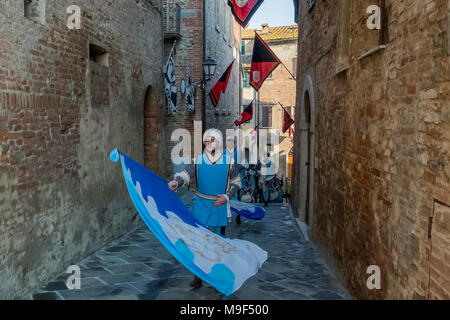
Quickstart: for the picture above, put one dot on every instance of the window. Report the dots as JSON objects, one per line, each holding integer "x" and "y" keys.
{"x": 266, "y": 116}
{"x": 247, "y": 79}
{"x": 243, "y": 47}
{"x": 343, "y": 43}
{"x": 98, "y": 55}
{"x": 249, "y": 47}
{"x": 384, "y": 35}
{"x": 290, "y": 110}
{"x": 374, "y": 38}
{"x": 35, "y": 10}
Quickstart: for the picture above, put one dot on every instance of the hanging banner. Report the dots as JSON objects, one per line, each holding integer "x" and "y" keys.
{"x": 221, "y": 86}
{"x": 247, "y": 115}
{"x": 170, "y": 87}
{"x": 190, "y": 93}
{"x": 243, "y": 10}
{"x": 287, "y": 121}
{"x": 264, "y": 61}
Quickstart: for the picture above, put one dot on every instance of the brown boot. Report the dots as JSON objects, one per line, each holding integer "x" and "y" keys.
{"x": 197, "y": 283}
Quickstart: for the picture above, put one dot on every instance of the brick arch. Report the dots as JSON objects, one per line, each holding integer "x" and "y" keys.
{"x": 151, "y": 132}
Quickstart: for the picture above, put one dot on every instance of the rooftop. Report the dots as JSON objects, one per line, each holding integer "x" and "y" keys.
{"x": 272, "y": 33}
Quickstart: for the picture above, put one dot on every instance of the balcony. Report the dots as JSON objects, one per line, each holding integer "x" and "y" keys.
{"x": 172, "y": 19}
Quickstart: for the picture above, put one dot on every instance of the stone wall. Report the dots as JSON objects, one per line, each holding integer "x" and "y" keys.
{"x": 381, "y": 147}
{"x": 61, "y": 114}
{"x": 223, "y": 41}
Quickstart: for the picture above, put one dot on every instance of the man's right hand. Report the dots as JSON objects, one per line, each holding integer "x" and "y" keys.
{"x": 173, "y": 185}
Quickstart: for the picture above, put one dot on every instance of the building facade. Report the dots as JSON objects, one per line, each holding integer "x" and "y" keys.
{"x": 223, "y": 41}
{"x": 372, "y": 151}
{"x": 183, "y": 24}
{"x": 202, "y": 30}
{"x": 279, "y": 86}
{"x": 67, "y": 98}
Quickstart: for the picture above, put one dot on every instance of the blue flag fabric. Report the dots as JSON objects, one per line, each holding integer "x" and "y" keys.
{"x": 224, "y": 263}
{"x": 247, "y": 210}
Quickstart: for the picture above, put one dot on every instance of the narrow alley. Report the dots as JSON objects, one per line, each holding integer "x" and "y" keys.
{"x": 137, "y": 267}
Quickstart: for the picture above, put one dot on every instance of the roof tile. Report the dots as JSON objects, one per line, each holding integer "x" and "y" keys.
{"x": 275, "y": 33}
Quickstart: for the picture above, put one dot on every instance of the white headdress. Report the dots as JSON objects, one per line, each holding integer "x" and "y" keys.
{"x": 214, "y": 133}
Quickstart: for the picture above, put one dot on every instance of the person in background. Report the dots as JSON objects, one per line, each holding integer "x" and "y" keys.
{"x": 265, "y": 175}
{"x": 234, "y": 155}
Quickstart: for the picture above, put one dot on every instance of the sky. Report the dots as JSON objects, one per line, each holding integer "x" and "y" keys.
{"x": 275, "y": 13}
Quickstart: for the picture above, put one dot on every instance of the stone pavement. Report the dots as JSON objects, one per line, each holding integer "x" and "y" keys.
{"x": 137, "y": 266}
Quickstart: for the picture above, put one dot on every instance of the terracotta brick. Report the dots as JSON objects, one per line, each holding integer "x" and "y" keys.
{"x": 358, "y": 128}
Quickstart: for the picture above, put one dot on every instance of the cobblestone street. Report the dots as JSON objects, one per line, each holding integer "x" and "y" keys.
{"x": 137, "y": 266}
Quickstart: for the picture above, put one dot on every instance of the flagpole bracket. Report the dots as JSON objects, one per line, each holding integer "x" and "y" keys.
{"x": 200, "y": 84}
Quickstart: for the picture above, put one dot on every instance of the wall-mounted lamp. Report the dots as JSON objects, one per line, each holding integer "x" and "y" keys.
{"x": 209, "y": 69}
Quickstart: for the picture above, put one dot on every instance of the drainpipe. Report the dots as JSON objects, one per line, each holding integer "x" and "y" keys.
{"x": 204, "y": 55}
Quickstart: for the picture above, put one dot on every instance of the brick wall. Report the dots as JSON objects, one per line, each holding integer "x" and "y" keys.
{"x": 222, "y": 36}
{"x": 189, "y": 54}
{"x": 60, "y": 116}
{"x": 282, "y": 87}
{"x": 382, "y": 146}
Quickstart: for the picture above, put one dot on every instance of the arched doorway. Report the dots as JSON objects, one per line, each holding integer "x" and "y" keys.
{"x": 307, "y": 158}
{"x": 151, "y": 132}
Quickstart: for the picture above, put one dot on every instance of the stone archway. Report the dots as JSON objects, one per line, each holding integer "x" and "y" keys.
{"x": 307, "y": 159}
{"x": 151, "y": 132}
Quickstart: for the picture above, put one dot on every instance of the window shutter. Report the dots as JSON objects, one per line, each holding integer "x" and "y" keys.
{"x": 246, "y": 79}
{"x": 266, "y": 117}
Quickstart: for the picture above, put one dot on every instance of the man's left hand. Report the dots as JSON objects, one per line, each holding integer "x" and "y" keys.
{"x": 221, "y": 200}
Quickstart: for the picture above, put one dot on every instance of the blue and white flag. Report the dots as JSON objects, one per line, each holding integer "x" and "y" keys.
{"x": 190, "y": 92}
{"x": 170, "y": 86}
{"x": 247, "y": 210}
{"x": 222, "y": 262}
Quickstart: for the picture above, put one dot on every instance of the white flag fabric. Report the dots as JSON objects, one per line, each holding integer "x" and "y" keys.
{"x": 222, "y": 262}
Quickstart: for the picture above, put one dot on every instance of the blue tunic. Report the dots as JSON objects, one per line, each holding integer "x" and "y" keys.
{"x": 212, "y": 180}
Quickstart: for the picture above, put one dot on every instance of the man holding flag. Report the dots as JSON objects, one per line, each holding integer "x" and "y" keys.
{"x": 217, "y": 179}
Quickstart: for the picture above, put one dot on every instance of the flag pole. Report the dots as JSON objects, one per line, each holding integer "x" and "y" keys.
{"x": 275, "y": 100}
{"x": 293, "y": 77}
{"x": 257, "y": 130}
